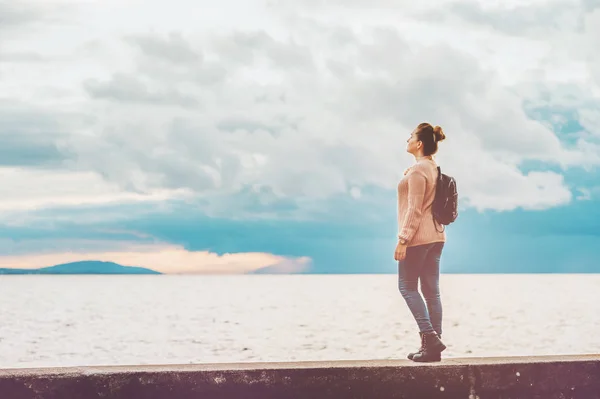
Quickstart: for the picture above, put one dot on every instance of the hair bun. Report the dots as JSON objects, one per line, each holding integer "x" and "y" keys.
{"x": 438, "y": 133}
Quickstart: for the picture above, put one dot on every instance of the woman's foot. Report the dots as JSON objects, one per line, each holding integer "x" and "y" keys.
{"x": 412, "y": 354}
{"x": 432, "y": 349}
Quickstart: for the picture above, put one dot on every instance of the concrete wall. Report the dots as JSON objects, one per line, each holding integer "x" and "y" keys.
{"x": 482, "y": 378}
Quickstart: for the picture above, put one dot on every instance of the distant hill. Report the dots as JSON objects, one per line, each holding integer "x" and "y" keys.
{"x": 83, "y": 267}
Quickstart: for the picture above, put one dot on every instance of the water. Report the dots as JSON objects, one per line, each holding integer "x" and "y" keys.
{"x": 125, "y": 320}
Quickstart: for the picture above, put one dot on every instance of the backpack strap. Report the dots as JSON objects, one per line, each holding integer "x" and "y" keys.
{"x": 435, "y": 224}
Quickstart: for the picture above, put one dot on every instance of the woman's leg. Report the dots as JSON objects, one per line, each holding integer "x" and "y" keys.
{"x": 408, "y": 278}
{"x": 430, "y": 285}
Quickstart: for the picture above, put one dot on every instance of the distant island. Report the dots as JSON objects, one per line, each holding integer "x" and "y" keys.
{"x": 83, "y": 267}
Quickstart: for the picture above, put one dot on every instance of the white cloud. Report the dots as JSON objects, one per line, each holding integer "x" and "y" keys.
{"x": 536, "y": 190}
{"x": 305, "y": 100}
{"x": 27, "y": 189}
{"x": 584, "y": 194}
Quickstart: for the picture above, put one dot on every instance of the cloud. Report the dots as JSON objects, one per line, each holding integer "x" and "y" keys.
{"x": 301, "y": 148}
{"x": 123, "y": 88}
{"x": 31, "y": 13}
{"x": 590, "y": 43}
{"x": 173, "y": 49}
{"x": 584, "y": 194}
{"x": 166, "y": 258}
{"x": 30, "y": 136}
{"x": 30, "y": 189}
{"x": 535, "y": 18}
{"x": 537, "y": 191}
{"x": 14, "y": 14}
{"x": 248, "y": 48}
{"x": 20, "y": 57}
{"x": 297, "y": 109}
{"x": 590, "y": 120}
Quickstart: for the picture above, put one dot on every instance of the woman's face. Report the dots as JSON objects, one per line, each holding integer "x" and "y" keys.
{"x": 413, "y": 144}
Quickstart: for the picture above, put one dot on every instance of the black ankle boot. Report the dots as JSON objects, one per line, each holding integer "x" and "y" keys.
{"x": 412, "y": 354}
{"x": 432, "y": 349}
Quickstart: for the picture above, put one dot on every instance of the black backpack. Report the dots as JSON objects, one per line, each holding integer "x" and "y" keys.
{"x": 445, "y": 203}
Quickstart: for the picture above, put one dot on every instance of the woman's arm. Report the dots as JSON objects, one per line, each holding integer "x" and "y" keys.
{"x": 416, "y": 192}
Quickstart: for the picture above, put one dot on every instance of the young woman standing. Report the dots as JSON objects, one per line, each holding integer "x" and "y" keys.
{"x": 421, "y": 241}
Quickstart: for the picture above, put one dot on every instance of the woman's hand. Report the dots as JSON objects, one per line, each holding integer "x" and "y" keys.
{"x": 400, "y": 253}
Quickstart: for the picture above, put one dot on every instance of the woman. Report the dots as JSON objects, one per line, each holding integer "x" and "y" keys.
{"x": 420, "y": 242}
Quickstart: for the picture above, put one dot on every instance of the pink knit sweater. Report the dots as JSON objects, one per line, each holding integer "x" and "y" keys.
{"x": 416, "y": 192}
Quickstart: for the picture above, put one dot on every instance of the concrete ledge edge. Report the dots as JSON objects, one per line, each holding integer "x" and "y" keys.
{"x": 243, "y": 366}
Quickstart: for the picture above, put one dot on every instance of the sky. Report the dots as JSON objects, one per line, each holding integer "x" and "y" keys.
{"x": 269, "y": 136}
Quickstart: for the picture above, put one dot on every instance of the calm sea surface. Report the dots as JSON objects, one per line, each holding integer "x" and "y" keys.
{"x": 110, "y": 320}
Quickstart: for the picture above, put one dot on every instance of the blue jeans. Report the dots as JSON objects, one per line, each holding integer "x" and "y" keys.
{"x": 422, "y": 263}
